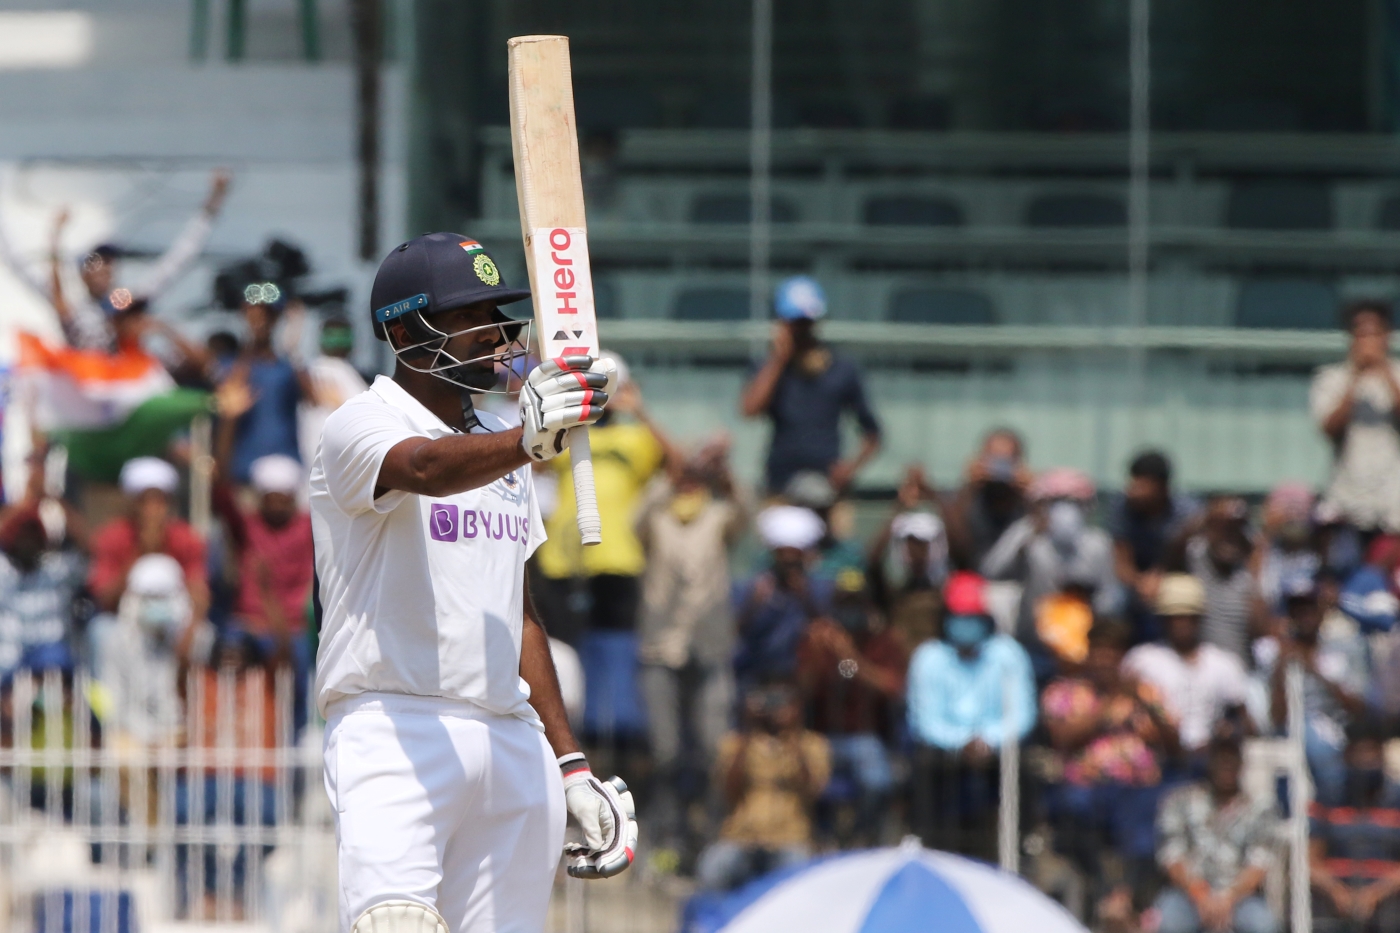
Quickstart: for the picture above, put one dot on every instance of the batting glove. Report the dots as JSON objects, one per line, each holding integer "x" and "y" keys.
{"x": 561, "y": 394}
{"x": 606, "y": 815}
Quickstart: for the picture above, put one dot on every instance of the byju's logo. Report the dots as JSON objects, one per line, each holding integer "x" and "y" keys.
{"x": 442, "y": 522}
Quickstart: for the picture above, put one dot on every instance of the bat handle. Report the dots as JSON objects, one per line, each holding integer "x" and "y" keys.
{"x": 590, "y": 526}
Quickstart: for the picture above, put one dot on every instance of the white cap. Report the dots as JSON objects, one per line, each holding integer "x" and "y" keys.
{"x": 789, "y": 526}
{"x": 156, "y": 575}
{"x": 924, "y": 526}
{"x": 144, "y": 473}
{"x": 276, "y": 473}
{"x": 624, "y": 375}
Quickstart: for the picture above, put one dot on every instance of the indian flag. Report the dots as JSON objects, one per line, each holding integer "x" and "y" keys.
{"x": 105, "y": 407}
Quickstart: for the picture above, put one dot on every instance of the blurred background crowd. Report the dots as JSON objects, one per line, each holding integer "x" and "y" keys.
{"x": 780, "y": 669}
{"x": 1008, "y": 408}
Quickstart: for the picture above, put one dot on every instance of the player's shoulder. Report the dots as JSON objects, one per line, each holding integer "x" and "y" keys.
{"x": 367, "y": 405}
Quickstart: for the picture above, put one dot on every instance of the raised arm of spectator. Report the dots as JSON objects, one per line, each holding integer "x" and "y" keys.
{"x": 758, "y": 394}
{"x": 233, "y": 398}
{"x": 56, "y": 296}
{"x": 188, "y": 243}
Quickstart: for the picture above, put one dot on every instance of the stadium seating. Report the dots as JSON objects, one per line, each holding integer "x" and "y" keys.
{"x": 941, "y": 306}
{"x": 1280, "y": 204}
{"x": 712, "y": 304}
{"x": 896, "y": 211}
{"x": 1076, "y": 210}
{"x": 735, "y": 209}
{"x": 1287, "y": 302}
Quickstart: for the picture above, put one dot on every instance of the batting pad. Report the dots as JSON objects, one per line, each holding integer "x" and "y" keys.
{"x": 400, "y": 917}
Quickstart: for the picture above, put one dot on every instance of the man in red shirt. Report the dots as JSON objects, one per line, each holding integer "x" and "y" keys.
{"x": 149, "y": 527}
{"x": 273, "y": 545}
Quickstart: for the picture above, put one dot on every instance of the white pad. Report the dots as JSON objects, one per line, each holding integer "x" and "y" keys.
{"x": 400, "y": 917}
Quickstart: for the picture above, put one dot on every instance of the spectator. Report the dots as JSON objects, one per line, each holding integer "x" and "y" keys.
{"x": 1200, "y": 684}
{"x": 911, "y": 602}
{"x": 1219, "y": 552}
{"x": 87, "y": 323}
{"x": 779, "y": 603}
{"x": 992, "y": 498}
{"x": 836, "y": 553}
{"x": 274, "y": 552}
{"x": 149, "y": 527}
{"x": 1144, "y": 520}
{"x": 772, "y": 771}
{"x": 1216, "y": 846}
{"x": 687, "y": 527}
{"x": 1355, "y": 405}
{"x": 38, "y": 585}
{"x": 1054, "y": 548}
{"x": 140, "y": 652}
{"x": 803, "y": 387}
{"x": 1335, "y": 680}
{"x": 1287, "y": 551}
{"x": 274, "y": 387}
{"x": 628, "y": 451}
{"x": 1355, "y": 846}
{"x": 958, "y": 714}
{"x": 851, "y": 669}
{"x": 1111, "y": 732}
{"x": 333, "y": 381}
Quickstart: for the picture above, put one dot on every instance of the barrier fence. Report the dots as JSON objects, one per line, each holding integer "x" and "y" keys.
{"x": 220, "y": 817}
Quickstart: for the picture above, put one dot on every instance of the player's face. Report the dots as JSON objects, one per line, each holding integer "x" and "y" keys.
{"x": 474, "y": 340}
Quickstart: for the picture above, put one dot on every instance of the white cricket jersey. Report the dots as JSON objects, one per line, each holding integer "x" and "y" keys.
{"x": 420, "y": 596}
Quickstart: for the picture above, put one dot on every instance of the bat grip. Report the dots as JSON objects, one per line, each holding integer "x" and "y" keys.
{"x": 590, "y": 526}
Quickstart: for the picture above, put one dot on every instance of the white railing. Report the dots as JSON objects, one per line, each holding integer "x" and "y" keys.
{"x": 221, "y": 818}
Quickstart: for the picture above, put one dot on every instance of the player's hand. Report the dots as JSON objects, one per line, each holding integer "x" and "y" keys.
{"x": 608, "y": 819}
{"x": 561, "y": 394}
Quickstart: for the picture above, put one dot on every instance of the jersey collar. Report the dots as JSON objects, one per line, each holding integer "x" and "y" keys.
{"x": 422, "y": 419}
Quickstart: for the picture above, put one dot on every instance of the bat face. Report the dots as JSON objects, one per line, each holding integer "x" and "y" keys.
{"x": 563, "y": 286}
{"x": 544, "y": 137}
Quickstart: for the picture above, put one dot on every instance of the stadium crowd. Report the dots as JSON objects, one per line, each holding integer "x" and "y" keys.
{"x": 776, "y": 684}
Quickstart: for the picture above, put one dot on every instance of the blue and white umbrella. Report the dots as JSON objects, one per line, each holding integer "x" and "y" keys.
{"x": 904, "y": 890}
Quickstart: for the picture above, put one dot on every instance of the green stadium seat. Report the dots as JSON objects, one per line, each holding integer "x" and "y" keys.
{"x": 913, "y": 212}
{"x": 1286, "y": 302}
{"x": 940, "y": 305}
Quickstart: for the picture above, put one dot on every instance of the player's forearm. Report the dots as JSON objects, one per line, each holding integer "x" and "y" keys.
{"x": 537, "y": 670}
{"x": 449, "y": 465}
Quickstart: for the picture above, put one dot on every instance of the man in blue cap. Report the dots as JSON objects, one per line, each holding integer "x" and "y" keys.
{"x": 448, "y": 754}
{"x": 804, "y": 387}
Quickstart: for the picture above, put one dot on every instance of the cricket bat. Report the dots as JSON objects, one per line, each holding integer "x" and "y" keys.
{"x": 549, "y": 185}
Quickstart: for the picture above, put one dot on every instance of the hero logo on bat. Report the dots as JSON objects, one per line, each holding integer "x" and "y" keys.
{"x": 561, "y": 266}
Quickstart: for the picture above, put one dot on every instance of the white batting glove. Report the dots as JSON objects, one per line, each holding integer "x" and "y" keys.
{"x": 606, "y": 815}
{"x": 561, "y": 394}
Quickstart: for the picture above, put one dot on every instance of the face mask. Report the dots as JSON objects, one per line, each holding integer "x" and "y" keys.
{"x": 1064, "y": 522}
{"x": 965, "y": 631}
{"x": 1363, "y": 784}
{"x": 686, "y": 506}
{"x": 157, "y": 615}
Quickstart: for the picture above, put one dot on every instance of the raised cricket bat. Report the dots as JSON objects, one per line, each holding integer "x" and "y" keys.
{"x": 550, "y": 187}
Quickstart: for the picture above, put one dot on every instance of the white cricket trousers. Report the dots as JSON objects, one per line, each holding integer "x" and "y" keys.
{"x": 441, "y": 802}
